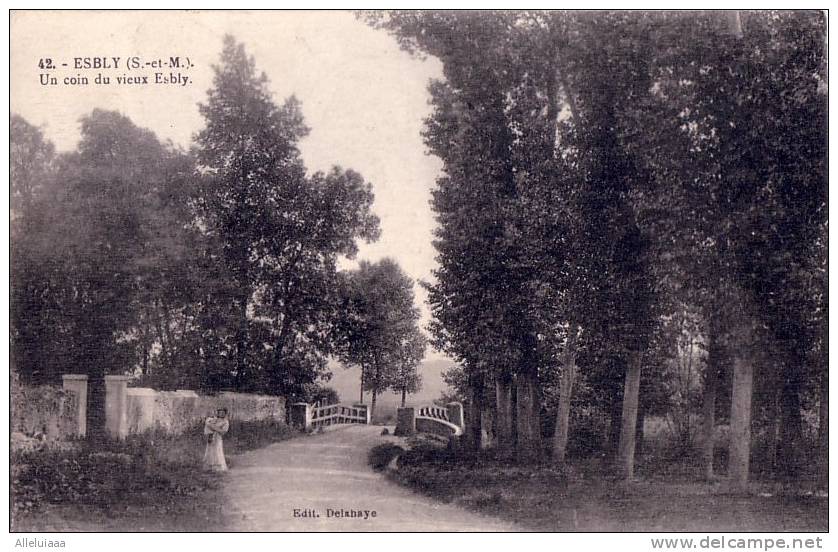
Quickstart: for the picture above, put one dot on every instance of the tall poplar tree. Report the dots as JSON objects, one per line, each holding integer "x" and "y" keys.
{"x": 279, "y": 230}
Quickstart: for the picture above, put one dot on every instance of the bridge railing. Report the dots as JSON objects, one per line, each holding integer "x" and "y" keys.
{"x": 305, "y": 415}
{"x": 339, "y": 414}
{"x": 445, "y": 421}
{"x": 436, "y": 412}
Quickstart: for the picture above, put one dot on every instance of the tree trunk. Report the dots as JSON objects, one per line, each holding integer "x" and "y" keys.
{"x": 613, "y": 443}
{"x": 167, "y": 328}
{"x": 528, "y": 406}
{"x": 560, "y": 434}
{"x": 372, "y": 404}
{"x": 145, "y": 350}
{"x": 362, "y": 385}
{"x": 639, "y": 433}
{"x": 709, "y": 423}
{"x": 711, "y": 384}
{"x": 503, "y": 396}
{"x": 164, "y": 343}
{"x": 96, "y": 422}
{"x": 536, "y": 417}
{"x": 282, "y": 338}
{"x": 740, "y": 422}
{"x": 144, "y": 339}
{"x": 734, "y": 23}
{"x": 631, "y": 396}
{"x": 473, "y": 414}
{"x": 823, "y": 421}
{"x": 485, "y": 427}
{"x": 529, "y": 440}
{"x": 773, "y": 430}
{"x": 208, "y": 356}
{"x": 791, "y": 426}
{"x": 823, "y": 428}
{"x": 559, "y": 79}
{"x": 241, "y": 342}
{"x": 404, "y": 396}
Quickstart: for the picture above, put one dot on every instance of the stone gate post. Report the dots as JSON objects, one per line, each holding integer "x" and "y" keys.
{"x": 77, "y": 383}
{"x": 405, "y": 421}
{"x": 300, "y": 414}
{"x": 116, "y": 405}
{"x": 455, "y": 414}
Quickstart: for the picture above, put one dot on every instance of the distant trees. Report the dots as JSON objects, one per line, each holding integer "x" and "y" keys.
{"x": 31, "y": 165}
{"x": 379, "y": 329}
{"x": 604, "y": 172}
{"x": 406, "y": 378}
{"x": 210, "y": 269}
{"x": 30, "y": 162}
{"x": 83, "y": 247}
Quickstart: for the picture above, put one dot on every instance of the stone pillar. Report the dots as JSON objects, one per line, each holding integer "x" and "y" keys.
{"x": 405, "y": 421}
{"x": 116, "y": 403}
{"x": 77, "y": 383}
{"x": 455, "y": 414}
{"x": 300, "y": 415}
{"x": 486, "y": 423}
{"x": 366, "y": 409}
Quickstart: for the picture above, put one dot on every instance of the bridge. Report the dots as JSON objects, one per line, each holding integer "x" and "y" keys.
{"x": 445, "y": 421}
{"x": 339, "y": 414}
{"x": 305, "y": 415}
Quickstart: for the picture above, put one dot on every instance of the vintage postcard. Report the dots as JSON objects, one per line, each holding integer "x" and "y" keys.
{"x": 420, "y": 271}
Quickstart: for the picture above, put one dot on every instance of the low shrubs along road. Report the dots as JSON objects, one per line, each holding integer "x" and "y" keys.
{"x": 583, "y": 497}
{"x": 148, "y": 482}
{"x": 380, "y": 456}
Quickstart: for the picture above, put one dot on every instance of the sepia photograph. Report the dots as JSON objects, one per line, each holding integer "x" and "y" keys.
{"x": 420, "y": 271}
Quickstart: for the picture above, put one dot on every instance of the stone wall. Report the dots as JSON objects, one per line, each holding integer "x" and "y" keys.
{"x": 58, "y": 413}
{"x": 44, "y": 411}
{"x": 178, "y": 411}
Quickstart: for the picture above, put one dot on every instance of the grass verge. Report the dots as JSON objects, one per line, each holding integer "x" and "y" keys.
{"x": 147, "y": 482}
{"x": 542, "y": 497}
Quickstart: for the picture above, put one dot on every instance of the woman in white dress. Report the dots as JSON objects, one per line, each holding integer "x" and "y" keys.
{"x": 214, "y": 429}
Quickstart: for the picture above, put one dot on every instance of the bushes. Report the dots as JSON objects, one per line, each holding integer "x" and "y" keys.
{"x": 584, "y": 496}
{"x": 424, "y": 453}
{"x": 482, "y": 480}
{"x": 138, "y": 471}
{"x": 587, "y": 435}
{"x": 380, "y": 456}
{"x": 153, "y": 471}
{"x": 43, "y": 409}
{"x": 249, "y": 435}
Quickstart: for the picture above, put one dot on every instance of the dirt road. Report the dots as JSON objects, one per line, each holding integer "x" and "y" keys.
{"x": 319, "y": 482}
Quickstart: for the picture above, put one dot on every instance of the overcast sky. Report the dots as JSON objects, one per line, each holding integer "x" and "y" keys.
{"x": 363, "y": 98}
